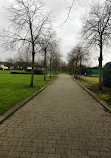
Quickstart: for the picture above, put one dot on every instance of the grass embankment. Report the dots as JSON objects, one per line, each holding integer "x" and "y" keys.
{"x": 15, "y": 87}
{"x": 92, "y": 84}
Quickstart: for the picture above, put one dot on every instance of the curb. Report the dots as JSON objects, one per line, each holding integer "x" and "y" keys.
{"x": 10, "y": 112}
{"x": 106, "y": 107}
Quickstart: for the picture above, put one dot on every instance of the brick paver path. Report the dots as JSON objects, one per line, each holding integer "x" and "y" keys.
{"x": 63, "y": 121}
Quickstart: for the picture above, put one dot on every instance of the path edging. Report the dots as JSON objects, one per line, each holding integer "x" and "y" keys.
{"x": 103, "y": 103}
{"x": 10, "y": 112}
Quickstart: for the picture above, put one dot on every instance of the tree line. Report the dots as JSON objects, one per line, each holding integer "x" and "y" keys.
{"x": 96, "y": 32}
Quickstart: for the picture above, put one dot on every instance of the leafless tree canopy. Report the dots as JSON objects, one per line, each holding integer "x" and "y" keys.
{"x": 28, "y": 18}
{"x": 98, "y": 24}
{"x": 68, "y": 13}
{"x": 77, "y": 58}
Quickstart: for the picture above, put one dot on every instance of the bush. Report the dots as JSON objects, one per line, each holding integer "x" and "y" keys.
{"x": 107, "y": 75}
{"x": 38, "y": 72}
{"x": 15, "y": 72}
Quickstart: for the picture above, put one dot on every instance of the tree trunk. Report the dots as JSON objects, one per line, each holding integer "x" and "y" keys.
{"x": 53, "y": 73}
{"x": 50, "y": 68}
{"x": 100, "y": 65}
{"x": 33, "y": 54}
{"x": 32, "y": 71}
{"x": 80, "y": 69}
{"x": 73, "y": 69}
{"x": 56, "y": 70}
{"x": 76, "y": 70}
{"x": 45, "y": 52}
{"x": 74, "y": 73}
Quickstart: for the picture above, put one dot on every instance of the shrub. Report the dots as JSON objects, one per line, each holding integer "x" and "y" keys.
{"x": 38, "y": 72}
{"x": 107, "y": 75}
{"x": 15, "y": 72}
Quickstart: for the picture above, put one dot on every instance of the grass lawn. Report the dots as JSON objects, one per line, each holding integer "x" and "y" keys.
{"x": 4, "y": 71}
{"x": 14, "y": 88}
{"x": 105, "y": 94}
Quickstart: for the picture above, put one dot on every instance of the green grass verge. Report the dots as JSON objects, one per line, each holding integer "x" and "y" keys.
{"x": 15, "y": 88}
{"x": 105, "y": 94}
{"x": 61, "y": 72}
{"x": 92, "y": 80}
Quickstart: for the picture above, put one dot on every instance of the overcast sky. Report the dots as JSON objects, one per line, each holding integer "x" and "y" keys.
{"x": 68, "y": 33}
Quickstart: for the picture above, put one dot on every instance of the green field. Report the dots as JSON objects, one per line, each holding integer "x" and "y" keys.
{"x": 15, "y": 87}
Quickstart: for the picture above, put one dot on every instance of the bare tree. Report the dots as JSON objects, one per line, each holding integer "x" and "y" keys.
{"x": 97, "y": 30}
{"x": 52, "y": 52}
{"x": 68, "y": 13}
{"x": 26, "y": 54}
{"x": 72, "y": 61}
{"x": 10, "y": 62}
{"x": 56, "y": 62}
{"x": 45, "y": 42}
{"x": 28, "y": 18}
{"x": 82, "y": 56}
{"x": 76, "y": 58}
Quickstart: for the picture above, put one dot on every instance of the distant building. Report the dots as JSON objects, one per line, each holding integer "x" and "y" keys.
{"x": 29, "y": 68}
{"x": 3, "y": 66}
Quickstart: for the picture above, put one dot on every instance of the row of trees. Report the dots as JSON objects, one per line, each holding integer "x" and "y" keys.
{"x": 23, "y": 62}
{"x": 31, "y": 31}
{"x": 96, "y": 31}
{"x": 76, "y": 59}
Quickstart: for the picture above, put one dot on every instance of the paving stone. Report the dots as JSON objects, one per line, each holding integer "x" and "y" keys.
{"x": 26, "y": 154}
{"x": 42, "y": 155}
{"x": 13, "y": 154}
{"x": 20, "y": 149}
{"x": 34, "y": 155}
{"x": 94, "y": 153}
{"x": 4, "y": 153}
{"x": 54, "y": 156}
{"x": 49, "y": 150}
